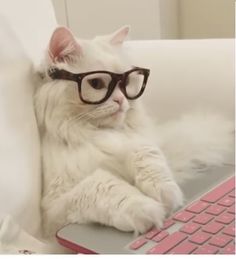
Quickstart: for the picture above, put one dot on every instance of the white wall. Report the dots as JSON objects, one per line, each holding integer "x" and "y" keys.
{"x": 60, "y": 11}
{"x": 169, "y": 19}
{"x": 149, "y": 19}
{"x": 206, "y": 18}
{"x": 87, "y": 18}
{"x": 104, "y": 16}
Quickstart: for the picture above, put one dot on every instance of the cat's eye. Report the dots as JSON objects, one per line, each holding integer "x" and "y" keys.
{"x": 94, "y": 87}
{"x": 96, "y": 83}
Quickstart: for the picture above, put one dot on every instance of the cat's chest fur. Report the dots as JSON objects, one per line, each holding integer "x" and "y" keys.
{"x": 107, "y": 148}
{"x": 110, "y": 141}
{"x": 101, "y": 148}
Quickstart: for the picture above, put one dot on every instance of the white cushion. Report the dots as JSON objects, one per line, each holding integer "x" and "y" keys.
{"x": 32, "y": 23}
{"x": 19, "y": 149}
{"x": 187, "y": 75}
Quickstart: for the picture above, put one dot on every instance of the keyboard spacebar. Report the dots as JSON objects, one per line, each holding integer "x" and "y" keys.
{"x": 168, "y": 243}
{"x": 219, "y": 191}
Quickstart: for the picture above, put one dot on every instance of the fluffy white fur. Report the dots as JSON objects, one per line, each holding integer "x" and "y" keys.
{"x": 195, "y": 142}
{"x": 104, "y": 163}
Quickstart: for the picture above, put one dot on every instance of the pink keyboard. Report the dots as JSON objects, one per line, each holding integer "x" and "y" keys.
{"x": 207, "y": 226}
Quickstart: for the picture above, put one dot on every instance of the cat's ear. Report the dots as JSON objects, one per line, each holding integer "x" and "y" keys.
{"x": 119, "y": 36}
{"x": 63, "y": 46}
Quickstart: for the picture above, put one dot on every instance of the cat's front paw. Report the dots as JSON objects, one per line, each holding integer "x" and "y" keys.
{"x": 139, "y": 214}
{"x": 167, "y": 192}
{"x": 171, "y": 196}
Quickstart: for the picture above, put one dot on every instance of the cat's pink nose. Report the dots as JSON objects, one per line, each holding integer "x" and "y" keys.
{"x": 119, "y": 99}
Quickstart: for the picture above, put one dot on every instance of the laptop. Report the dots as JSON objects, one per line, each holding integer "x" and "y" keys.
{"x": 206, "y": 224}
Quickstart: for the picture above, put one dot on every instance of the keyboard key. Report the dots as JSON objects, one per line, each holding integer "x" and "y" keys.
{"x": 152, "y": 233}
{"x": 203, "y": 218}
{"x": 183, "y": 248}
{"x": 231, "y": 210}
{"x": 219, "y": 191}
{"x": 168, "y": 243}
{"x": 226, "y": 201}
{"x": 230, "y": 230}
{"x": 138, "y": 243}
{"x": 168, "y": 223}
{"x": 220, "y": 240}
{"x": 198, "y": 206}
{"x": 225, "y": 218}
{"x": 229, "y": 249}
{"x": 190, "y": 228}
{"x": 160, "y": 236}
{"x": 215, "y": 210}
{"x": 183, "y": 216}
{"x": 199, "y": 238}
{"x": 213, "y": 227}
{"x": 206, "y": 249}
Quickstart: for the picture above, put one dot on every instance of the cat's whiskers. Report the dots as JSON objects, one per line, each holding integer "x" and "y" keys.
{"x": 78, "y": 117}
{"x": 75, "y": 106}
{"x": 103, "y": 111}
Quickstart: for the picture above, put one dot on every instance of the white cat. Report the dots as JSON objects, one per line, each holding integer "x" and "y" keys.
{"x": 102, "y": 162}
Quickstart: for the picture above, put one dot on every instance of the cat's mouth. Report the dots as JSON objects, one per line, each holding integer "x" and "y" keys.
{"x": 110, "y": 112}
{"x": 120, "y": 110}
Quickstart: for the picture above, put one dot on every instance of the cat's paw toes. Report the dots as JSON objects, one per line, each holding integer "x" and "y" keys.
{"x": 171, "y": 196}
{"x": 166, "y": 192}
{"x": 139, "y": 214}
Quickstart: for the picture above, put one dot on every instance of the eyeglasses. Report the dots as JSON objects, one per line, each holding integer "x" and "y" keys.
{"x": 96, "y": 87}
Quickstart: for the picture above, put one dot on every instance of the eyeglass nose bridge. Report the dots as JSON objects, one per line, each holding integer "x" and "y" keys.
{"x": 118, "y": 80}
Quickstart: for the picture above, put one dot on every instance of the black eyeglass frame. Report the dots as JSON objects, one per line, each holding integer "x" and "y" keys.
{"x": 56, "y": 73}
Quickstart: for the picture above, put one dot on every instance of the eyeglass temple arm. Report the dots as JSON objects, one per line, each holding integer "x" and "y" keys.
{"x": 55, "y": 73}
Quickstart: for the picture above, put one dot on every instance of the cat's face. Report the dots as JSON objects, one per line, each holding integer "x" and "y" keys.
{"x": 80, "y": 56}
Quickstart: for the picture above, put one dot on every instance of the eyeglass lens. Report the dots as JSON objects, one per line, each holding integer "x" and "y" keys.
{"x": 134, "y": 83}
{"x": 94, "y": 87}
